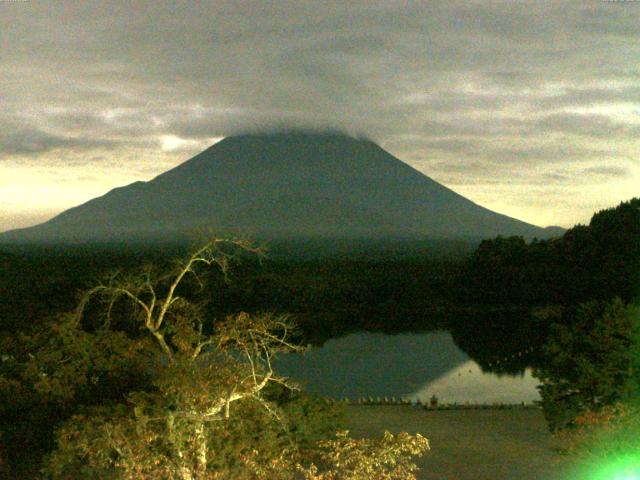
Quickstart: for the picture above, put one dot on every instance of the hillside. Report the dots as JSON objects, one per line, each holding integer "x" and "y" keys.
{"x": 281, "y": 185}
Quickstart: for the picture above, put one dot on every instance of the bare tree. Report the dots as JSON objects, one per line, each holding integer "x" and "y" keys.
{"x": 204, "y": 376}
{"x": 198, "y": 375}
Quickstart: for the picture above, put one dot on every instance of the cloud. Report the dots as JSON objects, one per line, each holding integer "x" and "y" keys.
{"x": 608, "y": 171}
{"x": 596, "y": 125}
{"x": 460, "y": 89}
{"x": 33, "y": 141}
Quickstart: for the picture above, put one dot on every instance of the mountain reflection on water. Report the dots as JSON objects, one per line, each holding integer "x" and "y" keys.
{"x": 413, "y": 366}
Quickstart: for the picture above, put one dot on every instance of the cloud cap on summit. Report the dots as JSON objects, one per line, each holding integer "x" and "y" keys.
{"x": 281, "y": 185}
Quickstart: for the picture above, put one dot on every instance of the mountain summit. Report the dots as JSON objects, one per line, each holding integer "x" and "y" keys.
{"x": 280, "y": 185}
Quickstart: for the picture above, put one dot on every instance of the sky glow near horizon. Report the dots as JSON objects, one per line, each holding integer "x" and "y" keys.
{"x": 531, "y": 109}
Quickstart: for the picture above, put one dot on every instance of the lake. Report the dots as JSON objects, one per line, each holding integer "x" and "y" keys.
{"x": 412, "y": 366}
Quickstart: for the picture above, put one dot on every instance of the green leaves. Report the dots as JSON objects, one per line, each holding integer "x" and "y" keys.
{"x": 588, "y": 360}
{"x": 183, "y": 397}
{"x": 346, "y": 458}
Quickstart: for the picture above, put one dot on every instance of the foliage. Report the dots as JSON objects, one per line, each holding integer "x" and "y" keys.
{"x": 32, "y": 403}
{"x": 329, "y": 296}
{"x": 146, "y": 385}
{"x": 54, "y": 368}
{"x": 588, "y": 362}
{"x": 598, "y": 261}
{"x": 577, "y": 286}
{"x": 195, "y": 376}
{"x": 385, "y": 459}
{"x": 603, "y": 444}
{"x": 121, "y": 441}
{"x": 594, "y": 430}
{"x": 345, "y": 458}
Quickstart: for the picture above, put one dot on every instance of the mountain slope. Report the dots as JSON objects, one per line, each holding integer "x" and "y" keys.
{"x": 280, "y": 185}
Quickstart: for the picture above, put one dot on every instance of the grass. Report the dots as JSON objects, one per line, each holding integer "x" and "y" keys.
{"x": 469, "y": 444}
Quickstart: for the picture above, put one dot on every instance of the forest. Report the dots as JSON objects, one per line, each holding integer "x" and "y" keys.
{"x": 95, "y": 379}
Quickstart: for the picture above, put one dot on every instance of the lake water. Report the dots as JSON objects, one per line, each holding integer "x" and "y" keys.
{"x": 410, "y": 366}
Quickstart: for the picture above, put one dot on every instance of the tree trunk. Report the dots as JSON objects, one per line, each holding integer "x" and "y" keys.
{"x": 184, "y": 471}
{"x": 201, "y": 450}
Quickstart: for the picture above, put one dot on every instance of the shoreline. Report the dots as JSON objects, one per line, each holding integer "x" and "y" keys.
{"x": 468, "y": 444}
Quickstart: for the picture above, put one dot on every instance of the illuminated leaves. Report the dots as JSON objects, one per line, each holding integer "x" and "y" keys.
{"x": 346, "y": 458}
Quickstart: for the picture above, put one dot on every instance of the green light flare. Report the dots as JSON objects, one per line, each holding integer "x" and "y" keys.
{"x": 625, "y": 467}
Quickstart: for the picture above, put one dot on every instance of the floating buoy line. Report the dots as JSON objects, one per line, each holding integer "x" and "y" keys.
{"x": 518, "y": 354}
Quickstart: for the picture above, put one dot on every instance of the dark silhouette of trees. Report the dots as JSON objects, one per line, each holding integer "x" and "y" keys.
{"x": 588, "y": 361}
{"x": 598, "y": 261}
{"x": 140, "y": 382}
{"x": 578, "y": 288}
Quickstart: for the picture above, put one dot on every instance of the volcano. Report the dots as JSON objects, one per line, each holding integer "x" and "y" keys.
{"x": 280, "y": 185}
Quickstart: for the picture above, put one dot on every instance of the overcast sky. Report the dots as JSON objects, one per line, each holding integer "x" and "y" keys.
{"x": 531, "y": 109}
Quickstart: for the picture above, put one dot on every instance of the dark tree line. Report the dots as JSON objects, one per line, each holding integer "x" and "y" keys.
{"x": 596, "y": 261}
{"x": 140, "y": 381}
{"x": 504, "y": 296}
{"x": 580, "y": 290}
{"x": 329, "y": 296}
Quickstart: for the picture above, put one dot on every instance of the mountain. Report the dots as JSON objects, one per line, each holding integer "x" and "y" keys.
{"x": 280, "y": 185}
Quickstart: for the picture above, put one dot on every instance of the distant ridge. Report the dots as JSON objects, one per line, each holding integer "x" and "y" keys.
{"x": 280, "y": 185}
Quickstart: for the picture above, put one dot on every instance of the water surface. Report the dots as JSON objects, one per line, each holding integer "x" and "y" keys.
{"x": 413, "y": 366}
